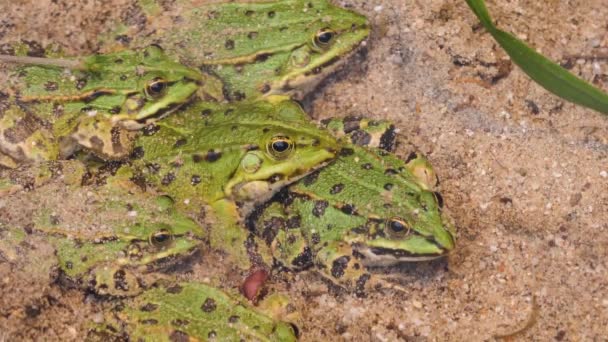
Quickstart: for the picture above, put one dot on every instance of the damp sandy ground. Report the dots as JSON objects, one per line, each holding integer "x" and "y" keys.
{"x": 524, "y": 174}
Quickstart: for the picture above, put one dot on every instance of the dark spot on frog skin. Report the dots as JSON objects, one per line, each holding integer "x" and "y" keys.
{"x": 120, "y": 281}
{"x": 149, "y": 307}
{"x": 345, "y": 152}
{"x": 294, "y": 222}
{"x": 361, "y": 138}
{"x": 209, "y": 305}
{"x": 55, "y": 220}
{"x": 348, "y": 209}
{"x": 115, "y": 110}
{"x": 388, "y": 186}
{"x": 69, "y": 265}
{"x": 80, "y": 83}
{"x": 233, "y": 319}
{"x": 367, "y": 166}
{"x": 228, "y": 112}
{"x": 175, "y": 289}
{"x": 51, "y": 86}
{"x": 179, "y": 336}
{"x": 339, "y": 265}
{"x": 271, "y": 14}
{"x": 150, "y": 130}
{"x": 311, "y": 178}
{"x": 336, "y": 189}
{"x": 252, "y": 35}
{"x": 303, "y": 259}
{"x": 196, "y": 179}
{"x": 213, "y": 156}
{"x": 168, "y": 179}
{"x": 265, "y": 88}
{"x": 206, "y": 112}
{"x": 137, "y": 153}
{"x": 150, "y": 321}
{"x": 123, "y": 39}
{"x": 229, "y": 44}
{"x": 180, "y": 142}
{"x": 263, "y": 57}
{"x": 351, "y": 123}
{"x": 249, "y": 13}
{"x": 387, "y": 140}
{"x": 315, "y": 238}
{"x": 319, "y": 209}
{"x": 391, "y": 172}
{"x": 180, "y": 322}
{"x": 360, "y": 230}
{"x": 212, "y": 334}
{"x": 35, "y": 49}
{"x": 153, "y": 168}
{"x": 411, "y": 157}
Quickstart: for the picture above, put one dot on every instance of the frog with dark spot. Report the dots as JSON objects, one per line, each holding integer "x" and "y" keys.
{"x": 224, "y": 159}
{"x": 257, "y": 48}
{"x": 107, "y": 238}
{"x": 367, "y": 208}
{"x": 57, "y": 106}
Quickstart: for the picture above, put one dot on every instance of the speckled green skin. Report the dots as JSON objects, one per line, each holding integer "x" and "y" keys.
{"x": 176, "y": 312}
{"x": 342, "y": 218}
{"x": 51, "y": 110}
{"x": 219, "y": 158}
{"x": 106, "y": 238}
{"x": 256, "y": 48}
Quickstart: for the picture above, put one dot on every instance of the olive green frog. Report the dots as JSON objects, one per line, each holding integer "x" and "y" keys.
{"x": 55, "y": 106}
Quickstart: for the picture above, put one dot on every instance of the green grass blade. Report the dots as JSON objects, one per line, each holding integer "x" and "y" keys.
{"x": 548, "y": 74}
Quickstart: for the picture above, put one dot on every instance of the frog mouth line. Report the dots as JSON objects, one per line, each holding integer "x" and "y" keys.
{"x": 378, "y": 256}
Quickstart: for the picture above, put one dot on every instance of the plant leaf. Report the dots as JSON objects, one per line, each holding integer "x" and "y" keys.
{"x": 548, "y": 74}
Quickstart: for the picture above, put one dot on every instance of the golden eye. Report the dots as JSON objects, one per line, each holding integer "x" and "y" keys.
{"x": 397, "y": 227}
{"x": 324, "y": 38}
{"x": 161, "y": 238}
{"x": 156, "y": 87}
{"x": 280, "y": 147}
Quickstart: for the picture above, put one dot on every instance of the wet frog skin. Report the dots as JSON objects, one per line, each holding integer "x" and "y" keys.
{"x": 222, "y": 159}
{"x": 107, "y": 238}
{"x": 57, "y": 105}
{"x": 256, "y": 48}
{"x": 365, "y": 209}
{"x": 194, "y": 311}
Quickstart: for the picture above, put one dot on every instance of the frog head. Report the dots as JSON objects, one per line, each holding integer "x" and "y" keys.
{"x": 378, "y": 208}
{"x": 214, "y": 152}
{"x": 326, "y": 41}
{"x": 121, "y": 237}
{"x": 126, "y": 85}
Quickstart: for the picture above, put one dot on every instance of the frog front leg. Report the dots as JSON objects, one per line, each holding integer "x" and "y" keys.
{"x": 382, "y": 134}
{"x": 229, "y": 235}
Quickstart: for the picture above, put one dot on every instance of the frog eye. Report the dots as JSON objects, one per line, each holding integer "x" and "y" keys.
{"x": 280, "y": 147}
{"x": 324, "y": 38}
{"x": 156, "y": 87}
{"x": 161, "y": 238}
{"x": 397, "y": 227}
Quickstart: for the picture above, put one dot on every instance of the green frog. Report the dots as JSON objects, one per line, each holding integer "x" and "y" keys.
{"x": 257, "y": 48}
{"x": 195, "y": 311}
{"x": 220, "y": 160}
{"x": 106, "y": 238}
{"x": 57, "y": 105}
{"x": 365, "y": 209}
